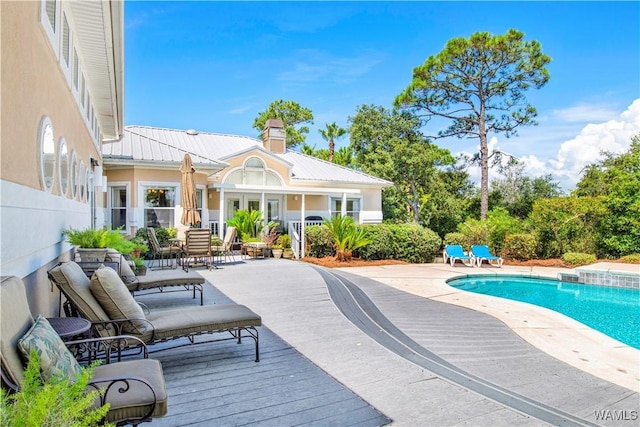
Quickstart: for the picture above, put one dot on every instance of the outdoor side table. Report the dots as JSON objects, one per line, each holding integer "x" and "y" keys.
{"x": 69, "y": 327}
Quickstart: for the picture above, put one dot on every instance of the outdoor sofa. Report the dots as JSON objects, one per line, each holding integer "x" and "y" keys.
{"x": 134, "y": 389}
{"x": 107, "y": 303}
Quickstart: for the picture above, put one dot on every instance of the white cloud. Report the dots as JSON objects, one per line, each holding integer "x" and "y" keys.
{"x": 584, "y": 113}
{"x": 586, "y": 148}
{"x": 311, "y": 65}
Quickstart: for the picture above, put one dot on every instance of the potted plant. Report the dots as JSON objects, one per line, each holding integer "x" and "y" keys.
{"x": 284, "y": 241}
{"x": 277, "y": 251}
{"x": 92, "y": 243}
{"x": 140, "y": 268}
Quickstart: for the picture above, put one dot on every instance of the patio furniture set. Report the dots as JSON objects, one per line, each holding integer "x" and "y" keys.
{"x": 105, "y": 322}
{"x": 197, "y": 248}
{"x": 478, "y": 254}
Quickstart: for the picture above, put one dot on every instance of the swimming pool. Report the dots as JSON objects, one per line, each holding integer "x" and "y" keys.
{"x": 610, "y": 310}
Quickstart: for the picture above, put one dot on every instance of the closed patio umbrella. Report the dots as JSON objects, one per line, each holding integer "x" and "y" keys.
{"x": 190, "y": 215}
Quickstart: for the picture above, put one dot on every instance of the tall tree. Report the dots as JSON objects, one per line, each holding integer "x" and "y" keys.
{"x": 292, "y": 115}
{"x": 389, "y": 144}
{"x": 331, "y": 133}
{"x": 479, "y": 83}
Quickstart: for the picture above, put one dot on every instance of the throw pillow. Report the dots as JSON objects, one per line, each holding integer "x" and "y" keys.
{"x": 114, "y": 297}
{"x": 55, "y": 357}
{"x": 127, "y": 274}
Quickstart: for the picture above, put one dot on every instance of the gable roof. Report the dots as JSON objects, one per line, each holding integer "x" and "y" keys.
{"x": 159, "y": 146}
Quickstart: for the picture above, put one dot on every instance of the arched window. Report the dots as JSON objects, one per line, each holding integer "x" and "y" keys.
{"x": 254, "y": 172}
{"x": 63, "y": 167}
{"x": 47, "y": 154}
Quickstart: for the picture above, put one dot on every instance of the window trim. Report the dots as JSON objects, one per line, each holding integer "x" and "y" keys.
{"x": 128, "y": 210}
{"x": 44, "y": 123}
{"x": 142, "y": 190}
{"x": 52, "y": 31}
{"x": 63, "y": 191}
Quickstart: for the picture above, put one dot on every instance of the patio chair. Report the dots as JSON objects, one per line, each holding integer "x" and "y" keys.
{"x": 106, "y": 302}
{"x": 482, "y": 253}
{"x": 197, "y": 248}
{"x": 226, "y": 249}
{"x": 161, "y": 253}
{"x": 453, "y": 253}
{"x": 135, "y": 389}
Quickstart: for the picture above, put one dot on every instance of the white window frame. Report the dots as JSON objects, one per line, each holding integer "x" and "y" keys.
{"x": 127, "y": 187}
{"x": 63, "y": 191}
{"x": 142, "y": 189}
{"x": 45, "y": 123}
{"x": 52, "y": 31}
{"x": 354, "y": 214}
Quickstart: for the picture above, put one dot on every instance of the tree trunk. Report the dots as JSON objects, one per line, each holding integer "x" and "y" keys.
{"x": 484, "y": 167}
{"x": 332, "y": 148}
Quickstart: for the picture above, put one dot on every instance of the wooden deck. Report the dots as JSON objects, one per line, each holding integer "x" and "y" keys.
{"x": 219, "y": 384}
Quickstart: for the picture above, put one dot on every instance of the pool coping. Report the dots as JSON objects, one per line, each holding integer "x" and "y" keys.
{"x": 556, "y": 334}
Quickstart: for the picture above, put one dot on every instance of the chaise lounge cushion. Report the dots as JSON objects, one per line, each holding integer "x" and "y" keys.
{"x": 114, "y": 297}
{"x": 126, "y": 273}
{"x": 154, "y": 279}
{"x": 135, "y": 403}
{"x": 55, "y": 358}
{"x": 169, "y": 324}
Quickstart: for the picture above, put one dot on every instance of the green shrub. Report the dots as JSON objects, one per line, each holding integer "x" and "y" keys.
{"x": 477, "y": 231}
{"x": 56, "y": 402}
{"x": 519, "y": 247}
{"x": 577, "y": 258}
{"x": 318, "y": 241}
{"x": 415, "y": 243}
{"x": 631, "y": 259}
{"x": 457, "y": 239}
{"x": 95, "y": 237}
{"x": 382, "y": 244}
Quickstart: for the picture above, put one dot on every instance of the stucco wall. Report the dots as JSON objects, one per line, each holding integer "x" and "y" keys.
{"x": 32, "y": 220}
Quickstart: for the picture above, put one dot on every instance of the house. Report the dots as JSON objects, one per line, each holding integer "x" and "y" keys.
{"x": 232, "y": 172}
{"x": 62, "y": 98}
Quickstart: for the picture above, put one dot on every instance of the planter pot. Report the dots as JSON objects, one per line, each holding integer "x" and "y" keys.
{"x": 287, "y": 254}
{"x": 92, "y": 255}
{"x": 141, "y": 271}
{"x": 277, "y": 253}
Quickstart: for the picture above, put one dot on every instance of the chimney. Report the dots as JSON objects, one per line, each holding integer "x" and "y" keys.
{"x": 274, "y": 137}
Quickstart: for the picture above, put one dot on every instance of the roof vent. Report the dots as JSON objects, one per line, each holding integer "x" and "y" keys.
{"x": 192, "y": 132}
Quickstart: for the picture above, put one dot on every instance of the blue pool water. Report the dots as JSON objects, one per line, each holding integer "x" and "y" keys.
{"x": 612, "y": 311}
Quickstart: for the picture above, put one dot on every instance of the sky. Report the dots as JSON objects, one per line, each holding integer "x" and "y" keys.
{"x": 214, "y": 66}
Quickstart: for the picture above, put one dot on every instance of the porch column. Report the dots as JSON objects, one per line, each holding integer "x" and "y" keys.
{"x": 303, "y": 222}
{"x": 343, "y": 211}
{"x": 263, "y": 208}
{"x": 221, "y": 215}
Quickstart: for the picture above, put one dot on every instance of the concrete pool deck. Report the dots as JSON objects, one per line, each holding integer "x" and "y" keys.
{"x": 555, "y": 334}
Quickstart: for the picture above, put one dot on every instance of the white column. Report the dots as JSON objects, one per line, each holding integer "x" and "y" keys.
{"x": 343, "y": 211}
{"x": 221, "y": 215}
{"x": 263, "y": 208}
{"x": 302, "y": 231}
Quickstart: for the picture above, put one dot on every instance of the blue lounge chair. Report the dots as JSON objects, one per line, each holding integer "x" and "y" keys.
{"x": 455, "y": 252}
{"x": 482, "y": 253}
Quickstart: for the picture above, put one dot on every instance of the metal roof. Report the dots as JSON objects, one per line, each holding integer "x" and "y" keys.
{"x": 159, "y": 146}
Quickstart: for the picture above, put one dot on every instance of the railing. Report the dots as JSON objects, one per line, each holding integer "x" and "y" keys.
{"x": 295, "y": 231}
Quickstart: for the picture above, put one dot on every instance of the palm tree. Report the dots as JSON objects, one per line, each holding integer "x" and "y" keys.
{"x": 331, "y": 133}
{"x": 346, "y": 235}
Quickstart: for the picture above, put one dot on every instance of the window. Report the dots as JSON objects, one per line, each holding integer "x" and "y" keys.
{"x": 159, "y": 204}
{"x": 232, "y": 206}
{"x": 47, "y": 154}
{"x": 353, "y": 207}
{"x": 76, "y": 68}
{"x": 66, "y": 40}
{"x": 199, "y": 201}
{"x": 118, "y": 207}
{"x": 82, "y": 179}
{"x": 63, "y": 167}
{"x": 50, "y": 21}
{"x": 253, "y": 205}
{"x": 254, "y": 173}
{"x": 73, "y": 175}
{"x": 273, "y": 210}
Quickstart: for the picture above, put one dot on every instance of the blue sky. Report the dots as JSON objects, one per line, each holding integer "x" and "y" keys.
{"x": 214, "y": 66}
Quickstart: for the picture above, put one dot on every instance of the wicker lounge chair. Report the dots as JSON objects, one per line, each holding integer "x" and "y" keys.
{"x": 158, "y": 281}
{"x": 482, "y": 253}
{"x": 107, "y": 303}
{"x": 453, "y": 253}
{"x": 135, "y": 389}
